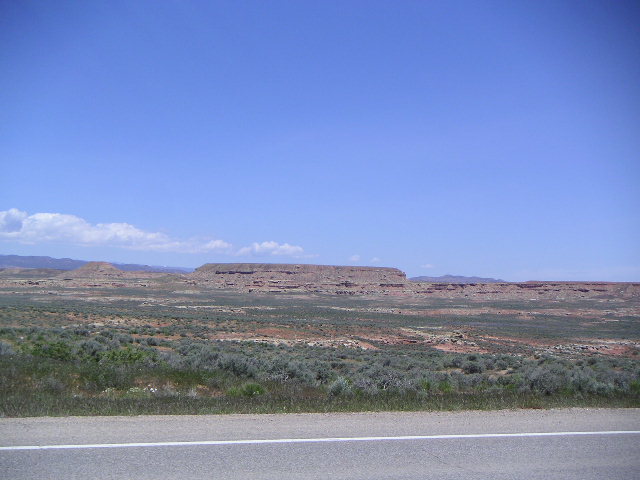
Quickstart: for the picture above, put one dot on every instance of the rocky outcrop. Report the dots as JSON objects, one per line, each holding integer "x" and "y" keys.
{"x": 455, "y": 279}
{"x": 528, "y": 290}
{"x": 281, "y": 277}
{"x": 321, "y": 279}
{"x": 95, "y": 269}
{"x": 347, "y": 280}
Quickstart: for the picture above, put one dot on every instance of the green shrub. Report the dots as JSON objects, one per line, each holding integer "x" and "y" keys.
{"x": 55, "y": 350}
{"x": 252, "y": 389}
{"x": 472, "y": 367}
{"x": 445, "y": 387}
{"x": 340, "y": 386}
{"x": 125, "y": 356}
{"x": 97, "y": 378}
{"x": 425, "y": 385}
{"x": 247, "y": 390}
{"x": 547, "y": 379}
{"x": 51, "y": 384}
{"x": 6, "y": 349}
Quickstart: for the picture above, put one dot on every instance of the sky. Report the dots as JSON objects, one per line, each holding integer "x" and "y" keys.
{"x": 492, "y": 138}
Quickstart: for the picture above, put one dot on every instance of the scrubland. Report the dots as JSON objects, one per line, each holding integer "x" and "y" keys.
{"x": 160, "y": 348}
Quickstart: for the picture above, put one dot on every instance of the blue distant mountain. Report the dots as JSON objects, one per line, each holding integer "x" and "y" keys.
{"x": 19, "y": 261}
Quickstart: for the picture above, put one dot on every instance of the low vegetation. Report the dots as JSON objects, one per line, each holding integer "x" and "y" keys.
{"x": 133, "y": 349}
{"x": 79, "y": 371}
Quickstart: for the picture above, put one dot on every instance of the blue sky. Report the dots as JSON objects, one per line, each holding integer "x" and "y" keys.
{"x": 478, "y": 138}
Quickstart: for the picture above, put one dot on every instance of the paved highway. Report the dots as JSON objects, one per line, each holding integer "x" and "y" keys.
{"x": 559, "y": 444}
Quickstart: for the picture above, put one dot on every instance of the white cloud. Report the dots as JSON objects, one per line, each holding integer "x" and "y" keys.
{"x": 213, "y": 245}
{"x": 354, "y": 258}
{"x": 374, "y": 260}
{"x": 64, "y": 228}
{"x": 273, "y": 248}
{"x": 427, "y": 265}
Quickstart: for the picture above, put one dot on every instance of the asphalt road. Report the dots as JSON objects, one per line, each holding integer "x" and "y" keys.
{"x": 327, "y": 446}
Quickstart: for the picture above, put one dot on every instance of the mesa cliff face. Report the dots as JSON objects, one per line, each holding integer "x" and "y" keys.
{"x": 321, "y": 279}
{"x": 278, "y": 277}
{"x": 560, "y": 291}
{"x": 347, "y": 280}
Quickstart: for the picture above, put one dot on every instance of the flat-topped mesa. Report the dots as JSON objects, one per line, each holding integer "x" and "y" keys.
{"x": 292, "y": 275}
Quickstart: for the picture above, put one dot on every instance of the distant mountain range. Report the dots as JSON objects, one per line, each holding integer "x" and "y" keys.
{"x": 19, "y": 261}
{"x": 456, "y": 279}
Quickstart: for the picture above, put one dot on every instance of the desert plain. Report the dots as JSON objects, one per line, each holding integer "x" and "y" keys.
{"x": 288, "y": 337}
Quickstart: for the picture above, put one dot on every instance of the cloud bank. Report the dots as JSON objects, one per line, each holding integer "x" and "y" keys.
{"x": 272, "y": 248}
{"x": 39, "y": 228}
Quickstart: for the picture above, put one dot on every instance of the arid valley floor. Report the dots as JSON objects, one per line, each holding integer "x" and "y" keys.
{"x": 260, "y": 337}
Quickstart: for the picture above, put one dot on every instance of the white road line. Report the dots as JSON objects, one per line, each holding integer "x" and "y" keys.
{"x": 314, "y": 440}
